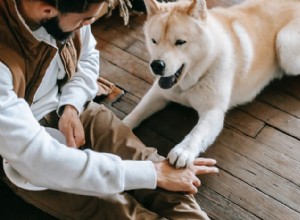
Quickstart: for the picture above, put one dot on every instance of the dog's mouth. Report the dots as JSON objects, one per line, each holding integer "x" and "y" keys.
{"x": 168, "y": 82}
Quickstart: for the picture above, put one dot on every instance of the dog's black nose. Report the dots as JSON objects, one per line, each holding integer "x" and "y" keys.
{"x": 158, "y": 67}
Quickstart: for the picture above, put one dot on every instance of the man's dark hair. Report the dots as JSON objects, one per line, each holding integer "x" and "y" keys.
{"x": 75, "y": 6}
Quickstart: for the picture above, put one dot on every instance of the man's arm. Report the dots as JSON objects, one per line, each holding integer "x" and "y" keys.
{"x": 78, "y": 90}
{"x": 83, "y": 86}
{"x": 45, "y": 162}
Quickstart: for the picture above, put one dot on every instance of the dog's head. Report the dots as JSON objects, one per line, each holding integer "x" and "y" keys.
{"x": 176, "y": 38}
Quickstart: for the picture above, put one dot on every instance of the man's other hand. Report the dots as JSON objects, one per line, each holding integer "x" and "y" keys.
{"x": 71, "y": 126}
{"x": 184, "y": 179}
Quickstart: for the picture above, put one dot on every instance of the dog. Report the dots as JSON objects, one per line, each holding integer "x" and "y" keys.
{"x": 215, "y": 59}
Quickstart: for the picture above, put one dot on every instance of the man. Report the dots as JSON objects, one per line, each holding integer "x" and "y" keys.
{"x": 48, "y": 72}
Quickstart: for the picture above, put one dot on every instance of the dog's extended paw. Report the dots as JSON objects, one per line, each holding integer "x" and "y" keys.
{"x": 180, "y": 157}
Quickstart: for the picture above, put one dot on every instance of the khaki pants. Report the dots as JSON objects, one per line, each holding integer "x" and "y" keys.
{"x": 106, "y": 133}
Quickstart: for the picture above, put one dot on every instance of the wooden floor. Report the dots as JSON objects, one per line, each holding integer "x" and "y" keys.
{"x": 258, "y": 152}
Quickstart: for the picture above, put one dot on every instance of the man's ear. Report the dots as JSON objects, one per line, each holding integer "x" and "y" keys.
{"x": 47, "y": 11}
{"x": 151, "y": 6}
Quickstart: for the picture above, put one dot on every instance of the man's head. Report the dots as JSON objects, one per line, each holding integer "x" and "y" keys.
{"x": 72, "y": 6}
{"x": 71, "y": 16}
{"x": 60, "y": 17}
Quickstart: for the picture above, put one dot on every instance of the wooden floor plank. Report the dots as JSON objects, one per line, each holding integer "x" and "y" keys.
{"x": 248, "y": 197}
{"x": 125, "y": 60}
{"x": 112, "y": 36}
{"x": 274, "y": 117}
{"x": 219, "y": 207}
{"x": 135, "y": 27}
{"x": 256, "y": 176}
{"x": 280, "y": 142}
{"x": 138, "y": 49}
{"x": 123, "y": 79}
{"x": 244, "y": 122}
{"x": 261, "y": 154}
{"x": 282, "y": 101}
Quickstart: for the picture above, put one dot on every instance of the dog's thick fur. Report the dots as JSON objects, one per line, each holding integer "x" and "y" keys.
{"x": 222, "y": 57}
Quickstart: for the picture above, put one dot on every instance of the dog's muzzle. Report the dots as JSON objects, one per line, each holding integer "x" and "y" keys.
{"x": 158, "y": 68}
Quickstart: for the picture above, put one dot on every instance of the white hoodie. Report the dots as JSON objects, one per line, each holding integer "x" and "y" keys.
{"x": 41, "y": 159}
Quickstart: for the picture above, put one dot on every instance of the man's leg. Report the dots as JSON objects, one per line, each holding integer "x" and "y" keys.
{"x": 170, "y": 204}
{"x": 70, "y": 206}
{"x": 108, "y": 134}
{"x": 105, "y": 132}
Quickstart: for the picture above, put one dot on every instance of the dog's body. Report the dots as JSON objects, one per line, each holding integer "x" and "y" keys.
{"x": 213, "y": 60}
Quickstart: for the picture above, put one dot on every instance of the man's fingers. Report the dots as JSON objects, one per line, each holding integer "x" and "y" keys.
{"x": 205, "y": 166}
{"x": 196, "y": 182}
{"x": 70, "y": 142}
{"x": 74, "y": 138}
{"x": 79, "y": 136}
{"x": 193, "y": 189}
{"x": 204, "y": 161}
{"x": 205, "y": 170}
{"x": 79, "y": 141}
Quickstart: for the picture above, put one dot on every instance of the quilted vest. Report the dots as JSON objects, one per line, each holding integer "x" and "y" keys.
{"x": 26, "y": 57}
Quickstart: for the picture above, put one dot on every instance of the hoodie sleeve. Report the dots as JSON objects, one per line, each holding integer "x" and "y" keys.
{"x": 83, "y": 87}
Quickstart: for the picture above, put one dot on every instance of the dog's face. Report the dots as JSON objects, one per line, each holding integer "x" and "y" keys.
{"x": 176, "y": 38}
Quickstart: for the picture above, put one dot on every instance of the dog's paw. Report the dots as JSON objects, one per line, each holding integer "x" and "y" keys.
{"x": 180, "y": 157}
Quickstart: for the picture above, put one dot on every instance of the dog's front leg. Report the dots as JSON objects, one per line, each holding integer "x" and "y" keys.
{"x": 199, "y": 139}
{"x": 152, "y": 102}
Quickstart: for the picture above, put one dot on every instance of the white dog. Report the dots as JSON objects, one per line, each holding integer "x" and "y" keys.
{"x": 212, "y": 60}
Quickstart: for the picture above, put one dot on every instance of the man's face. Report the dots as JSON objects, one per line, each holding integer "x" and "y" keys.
{"x": 61, "y": 27}
{"x": 52, "y": 27}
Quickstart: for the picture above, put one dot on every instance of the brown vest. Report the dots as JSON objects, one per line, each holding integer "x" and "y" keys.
{"x": 27, "y": 58}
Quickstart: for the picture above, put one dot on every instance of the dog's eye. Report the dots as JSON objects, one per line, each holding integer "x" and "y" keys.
{"x": 180, "y": 42}
{"x": 153, "y": 41}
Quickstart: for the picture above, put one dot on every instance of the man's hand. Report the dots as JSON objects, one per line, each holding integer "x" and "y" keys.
{"x": 184, "y": 179}
{"x": 70, "y": 125}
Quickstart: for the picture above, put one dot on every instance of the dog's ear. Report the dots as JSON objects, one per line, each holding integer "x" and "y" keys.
{"x": 151, "y": 6}
{"x": 198, "y": 9}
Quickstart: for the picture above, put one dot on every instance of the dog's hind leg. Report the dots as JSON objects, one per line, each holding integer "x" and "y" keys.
{"x": 288, "y": 47}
